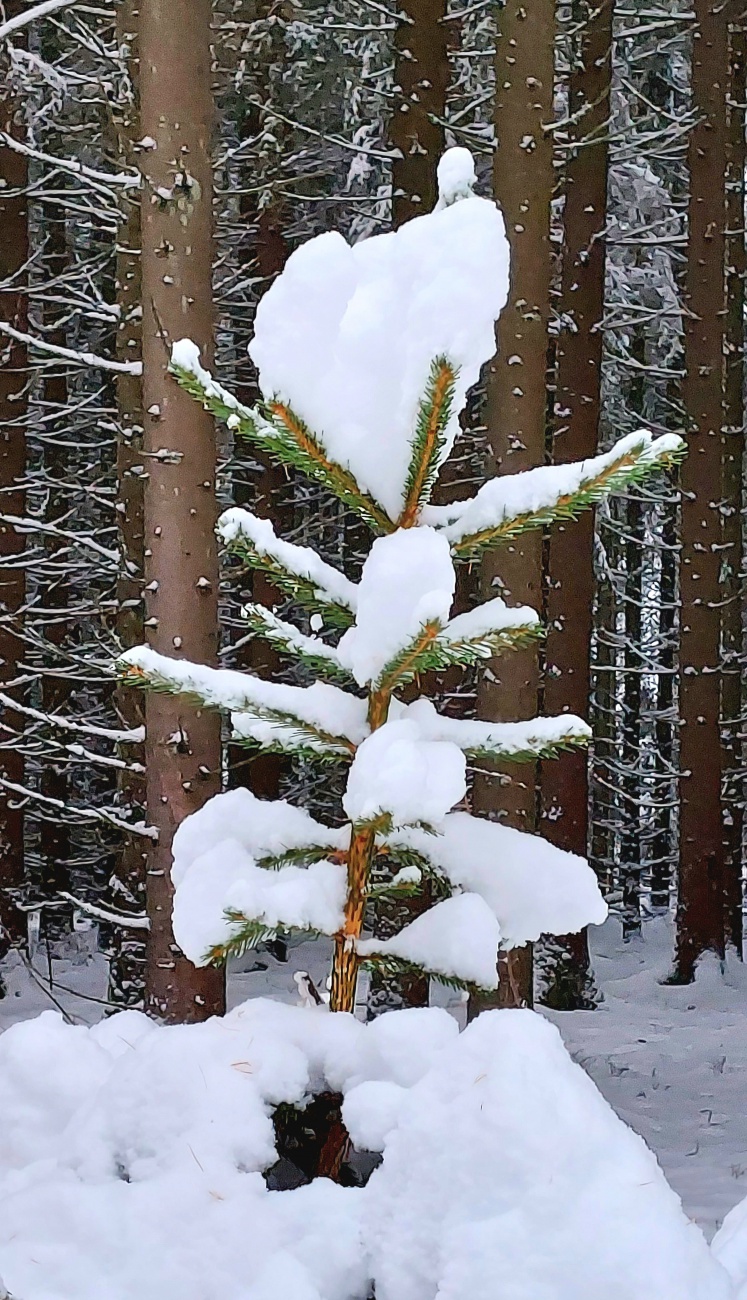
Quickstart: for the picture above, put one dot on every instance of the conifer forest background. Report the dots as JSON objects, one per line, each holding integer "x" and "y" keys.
{"x": 612, "y": 133}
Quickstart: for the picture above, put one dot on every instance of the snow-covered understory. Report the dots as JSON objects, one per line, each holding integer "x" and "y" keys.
{"x": 578, "y": 1210}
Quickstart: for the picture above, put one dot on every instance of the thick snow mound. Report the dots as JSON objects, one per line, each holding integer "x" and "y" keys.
{"x": 730, "y": 1247}
{"x": 395, "y": 772}
{"x": 508, "y": 1174}
{"x": 131, "y": 1158}
{"x": 347, "y": 336}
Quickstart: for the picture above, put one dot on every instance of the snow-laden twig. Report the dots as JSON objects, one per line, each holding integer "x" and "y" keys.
{"x": 70, "y": 354}
{"x": 133, "y": 922}
{"x": 31, "y": 15}
{"x": 130, "y": 180}
{"x": 25, "y": 525}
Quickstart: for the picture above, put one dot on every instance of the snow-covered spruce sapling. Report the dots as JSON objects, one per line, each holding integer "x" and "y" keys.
{"x": 365, "y": 357}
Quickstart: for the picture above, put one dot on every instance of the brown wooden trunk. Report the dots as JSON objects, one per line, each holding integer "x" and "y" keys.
{"x": 516, "y": 414}
{"x": 418, "y": 107}
{"x": 13, "y": 410}
{"x": 570, "y": 564}
{"x": 700, "y": 926}
{"x": 731, "y": 618}
{"x": 183, "y": 747}
{"x": 127, "y": 960}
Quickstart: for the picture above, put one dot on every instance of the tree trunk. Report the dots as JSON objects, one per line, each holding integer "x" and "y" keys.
{"x": 700, "y": 926}
{"x": 419, "y": 106}
{"x": 731, "y": 616}
{"x": 56, "y": 687}
{"x": 570, "y": 568}
{"x": 127, "y": 960}
{"x": 516, "y": 413}
{"x": 181, "y": 565}
{"x": 13, "y": 410}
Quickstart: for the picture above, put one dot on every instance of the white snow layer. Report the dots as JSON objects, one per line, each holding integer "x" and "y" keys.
{"x": 215, "y": 871}
{"x": 506, "y": 738}
{"x": 263, "y": 827}
{"x": 331, "y": 586}
{"x": 227, "y": 880}
{"x": 408, "y": 580}
{"x": 509, "y": 496}
{"x": 458, "y": 938}
{"x": 531, "y": 886}
{"x": 130, "y": 1159}
{"x": 395, "y": 771}
{"x": 347, "y": 336}
{"x": 326, "y": 709}
{"x": 730, "y": 1247}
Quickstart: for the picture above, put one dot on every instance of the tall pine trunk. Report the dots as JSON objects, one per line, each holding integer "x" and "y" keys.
{"x": 516, "y": 414}
{"x": 127, "y": 961}
{"x": 731, "y": 618}
{"x": 700, "y": 926}
{"x": 570, "y": 565}
{"x": 183, "y": 748}
{"x": 13, "y": 408}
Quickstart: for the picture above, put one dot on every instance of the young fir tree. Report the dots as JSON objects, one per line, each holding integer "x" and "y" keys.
{"x": 365, "y": 357}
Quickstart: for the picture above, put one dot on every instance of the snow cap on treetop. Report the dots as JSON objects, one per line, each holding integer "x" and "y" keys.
{"x": 456, "y": 177}
{"x": 347, "y": 336}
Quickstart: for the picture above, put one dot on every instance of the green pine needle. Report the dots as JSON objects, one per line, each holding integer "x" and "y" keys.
{"x": 434, "y": 413}
{"x": 631, "y": 468}
{"x": 263, "y": 623}
{"x": 301, "y": 590}
{"x": 275, "y": 429}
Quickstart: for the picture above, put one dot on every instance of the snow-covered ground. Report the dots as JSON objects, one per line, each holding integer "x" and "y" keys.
{"x": 671, "y": 1061}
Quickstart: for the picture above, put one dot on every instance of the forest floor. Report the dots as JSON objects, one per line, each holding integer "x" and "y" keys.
{"x": 670, "y": 1060}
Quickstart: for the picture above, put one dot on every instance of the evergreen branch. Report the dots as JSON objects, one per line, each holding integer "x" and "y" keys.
{"x": 529, "y": 752}
{"x": 247, "y": 934}
{"x": 308, "y": 650}
{"x": 242, "y": 695}
{"x": 303, "y": 450}
{"x": 409, "y": 661}
{"x": 290, "y": 734}
{"x": 299, "y": 589}
{"x": 279, "y": 432}
{"x": 434, "y": 413}
{"x": 394, "y": 968}
{"x": 304, "y": 856}
{"x": 434, "y": 651}
{"x": 632, "y": 465}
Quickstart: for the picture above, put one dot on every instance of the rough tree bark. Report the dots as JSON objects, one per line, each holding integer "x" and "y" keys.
{"x": 570, "y": 556}
{"x": 516, "y": 411}
{"x": 56, "y": 687}
{"x": 700, "y": 925}
{"x": 127, "y": 961}
{"x": 181, "y": 565}
{"x": 731, "y": 616}
{"x": 13, "y": 406}
{"x": 419, "y": 105}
